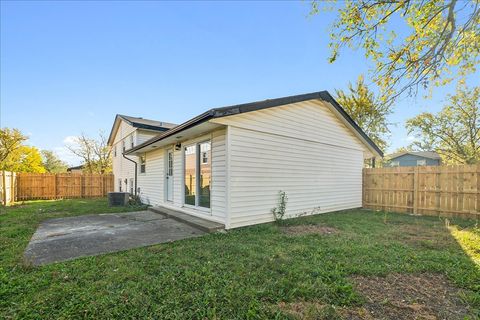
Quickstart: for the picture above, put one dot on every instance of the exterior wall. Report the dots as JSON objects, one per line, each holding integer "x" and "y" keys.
{"x": 122, "y": 168}
{"x": 303, "y": 150}
{"x": 143, "y": 135}
{"x": 152, "y": 182}
{"x": 411, "y": 160}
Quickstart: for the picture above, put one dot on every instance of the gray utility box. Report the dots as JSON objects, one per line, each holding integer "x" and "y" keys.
{"x": 118, "y": 198}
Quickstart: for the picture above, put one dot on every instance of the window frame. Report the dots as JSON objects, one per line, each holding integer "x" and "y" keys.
{"x": 143, "y": 163}
{"x": 421, "y": 162}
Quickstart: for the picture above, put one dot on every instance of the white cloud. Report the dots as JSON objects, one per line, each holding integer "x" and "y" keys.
{"x": 67, "y": 156}
{"x": 410, "y": 138}
{"x": 70, "y": 140}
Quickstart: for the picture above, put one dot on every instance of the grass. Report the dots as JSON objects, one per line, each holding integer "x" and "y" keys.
{"x": 243, "y": 274}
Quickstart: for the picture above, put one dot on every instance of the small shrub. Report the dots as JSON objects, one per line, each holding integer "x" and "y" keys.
{"x": 134, "y": 200}
{"x": 279, "y": 211}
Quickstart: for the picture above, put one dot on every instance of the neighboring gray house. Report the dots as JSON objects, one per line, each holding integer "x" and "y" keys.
{"x": 415, "y": 158}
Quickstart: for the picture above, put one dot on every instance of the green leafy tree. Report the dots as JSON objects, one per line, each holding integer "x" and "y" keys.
{"x": 95, "y": 153}
{"x": 367, "y": 110}
{"x": 454, "y": 132}
{"x": 10, "y": 141}
{"x": 52, "y": 163}
{"x": 438, "y": 40}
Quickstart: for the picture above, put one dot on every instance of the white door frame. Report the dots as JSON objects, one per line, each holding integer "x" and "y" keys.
{"x": 169, "y": 178}
{"x": 195, "y": 143}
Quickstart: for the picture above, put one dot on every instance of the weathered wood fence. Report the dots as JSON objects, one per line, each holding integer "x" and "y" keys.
{"x": 31, "y": 186}
{"x": 431, "y": 190}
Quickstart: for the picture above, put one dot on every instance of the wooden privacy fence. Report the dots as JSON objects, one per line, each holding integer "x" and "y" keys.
{"x": 30, "y": 186}
{"x": 432, "y": 190}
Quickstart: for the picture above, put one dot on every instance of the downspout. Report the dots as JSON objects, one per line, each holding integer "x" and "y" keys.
{"x": 123, "y": 154}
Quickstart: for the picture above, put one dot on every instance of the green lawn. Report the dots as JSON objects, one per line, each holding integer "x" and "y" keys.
{"x": 245, "y": 273}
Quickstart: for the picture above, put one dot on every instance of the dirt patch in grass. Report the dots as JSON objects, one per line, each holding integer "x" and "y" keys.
{"x": 309, "y": 229}
{"x": 308, "y": 310}
{"x": 407, "y": 296}
{"x": 397, "y": 296}
{"x": 433, "y": 238}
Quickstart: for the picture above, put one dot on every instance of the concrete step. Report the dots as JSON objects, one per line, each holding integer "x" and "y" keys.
{"x": 196, "y": 222}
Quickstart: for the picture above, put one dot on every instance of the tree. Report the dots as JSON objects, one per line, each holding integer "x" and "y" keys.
{"x": 10, "y": 141}
{"x": 454, "y": 132}
{"x": 367, "y": 110}
{"x": 23, "y": 159}
{"x": 52, "y": 163}
{"x": 96, "y": 154}
{"x": 441, "y": 41}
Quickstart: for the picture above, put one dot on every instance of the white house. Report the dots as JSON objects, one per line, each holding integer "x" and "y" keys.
{"x": 128, "y": 132}
{"x": 228, "y": 164}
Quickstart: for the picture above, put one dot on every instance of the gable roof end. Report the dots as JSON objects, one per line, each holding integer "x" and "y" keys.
{"x": 139, "y": 123}
{"x": 259, "y": 105}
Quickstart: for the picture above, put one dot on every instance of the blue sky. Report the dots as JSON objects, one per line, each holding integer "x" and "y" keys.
{"x": 69, "y": 67}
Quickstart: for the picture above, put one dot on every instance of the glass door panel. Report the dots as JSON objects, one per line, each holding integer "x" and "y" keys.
{"x": 205, "y": 171}
{"x": 190, "y": 175}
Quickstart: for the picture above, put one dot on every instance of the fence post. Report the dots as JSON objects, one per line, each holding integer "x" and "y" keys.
{"x": 363, "y": 188}
{"x": 415, "y": 190}
{"x": 478, "y": 188}
{"x": 12, "y": 187}
{"x": 4, "y": 187}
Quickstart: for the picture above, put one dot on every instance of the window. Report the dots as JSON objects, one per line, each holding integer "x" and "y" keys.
{"x": 395, "y": 164}
{"x": 123, "y": 145}
{"x": 205, "y": 157}
{"x": 120, "y": 185}
{"x": 131, "y": 141}
{"x": 143, "y": 162}
{"x": 131, "y": 186}
{"x": 421, "y": 162}
{"x": 170, "y": 163}
{"x": 115, "y": 150}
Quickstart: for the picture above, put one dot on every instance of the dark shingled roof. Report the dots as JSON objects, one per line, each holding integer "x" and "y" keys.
{"x": 142, "y": 123}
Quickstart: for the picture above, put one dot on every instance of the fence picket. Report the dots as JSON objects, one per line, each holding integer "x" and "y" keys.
{"x": 31, "y": 186}
{"x": 446, "y": 191}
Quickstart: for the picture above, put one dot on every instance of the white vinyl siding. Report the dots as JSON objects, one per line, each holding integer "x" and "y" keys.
{"x": 122, "y": 168}
{"x": 316, "y": 177}
{"x": 151, "y": 183}
{"x": 142, "y": 136}
{"x": 218, "y": 187}
{"x": 302, "y": 149}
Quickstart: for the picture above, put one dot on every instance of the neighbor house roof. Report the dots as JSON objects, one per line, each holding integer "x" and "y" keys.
{"x": 424, "y": 154}
{"x": 80, "y": 167}
{"x": 138, "y": 122}
{"x": 259, "y": 105}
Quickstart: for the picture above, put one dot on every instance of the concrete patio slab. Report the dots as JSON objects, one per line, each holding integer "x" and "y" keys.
{"x": 63, "y": 239}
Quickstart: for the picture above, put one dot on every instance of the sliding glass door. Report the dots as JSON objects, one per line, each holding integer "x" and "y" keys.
{"x": 198, "y": 174}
